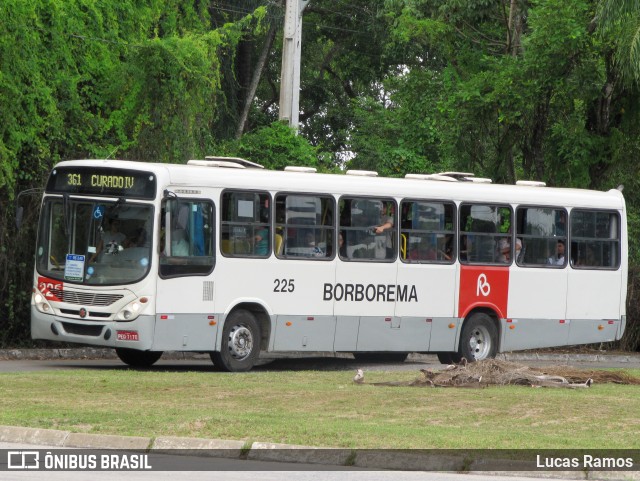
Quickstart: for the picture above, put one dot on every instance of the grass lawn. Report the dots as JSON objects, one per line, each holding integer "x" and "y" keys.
{"x": 321, "y": 409}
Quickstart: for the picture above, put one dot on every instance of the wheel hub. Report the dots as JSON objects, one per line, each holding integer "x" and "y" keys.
{"x": 479, "y": 343}
{"x": 240, "y": 342}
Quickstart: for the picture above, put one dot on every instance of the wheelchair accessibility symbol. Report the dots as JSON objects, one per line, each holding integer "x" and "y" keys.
{"x": 98, "y": 212}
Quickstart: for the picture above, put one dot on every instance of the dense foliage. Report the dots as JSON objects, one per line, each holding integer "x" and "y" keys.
{"x": 508, "y": 89}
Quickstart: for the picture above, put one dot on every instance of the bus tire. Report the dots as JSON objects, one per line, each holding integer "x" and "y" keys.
{"x": 240, "y": 343}
{"x": 136, "y": 358}
{"x": 479, "y": 338}
{"x": 380, "y": 356}
{"x": 449, "y": 357}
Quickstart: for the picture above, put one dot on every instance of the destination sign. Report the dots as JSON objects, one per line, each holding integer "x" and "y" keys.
{"x": 107, "y": 181}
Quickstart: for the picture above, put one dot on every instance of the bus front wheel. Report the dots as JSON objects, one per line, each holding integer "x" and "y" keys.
{"x": 135, "y": 358}
{"x": 240, "y": 343}
{"x": 479, "y": 338}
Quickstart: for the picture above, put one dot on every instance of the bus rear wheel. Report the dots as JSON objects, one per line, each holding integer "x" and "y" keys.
{"x": 240, "y": 343}
{"x": 479, "y": 338}
{"x": 135, "y": 358}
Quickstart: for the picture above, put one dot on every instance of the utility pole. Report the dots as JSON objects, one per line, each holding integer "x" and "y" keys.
{"x": 291, "y": 54}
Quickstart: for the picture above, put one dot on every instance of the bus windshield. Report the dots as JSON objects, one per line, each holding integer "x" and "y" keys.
{"x": 94, "y": 242}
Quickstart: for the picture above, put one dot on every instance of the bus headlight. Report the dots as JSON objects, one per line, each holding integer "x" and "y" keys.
{"x": 132, "y": 310}
{"x": 41, "y": 303}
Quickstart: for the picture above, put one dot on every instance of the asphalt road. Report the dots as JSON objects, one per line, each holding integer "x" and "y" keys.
{"x": 203, "y": 364}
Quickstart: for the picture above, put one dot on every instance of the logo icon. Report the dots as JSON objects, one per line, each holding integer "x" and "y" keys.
{"x": 23, "y": 460}
{"x": 483, "y": 287}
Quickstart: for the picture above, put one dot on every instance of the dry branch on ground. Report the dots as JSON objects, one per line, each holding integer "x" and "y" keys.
{"x": 493, "y": 372}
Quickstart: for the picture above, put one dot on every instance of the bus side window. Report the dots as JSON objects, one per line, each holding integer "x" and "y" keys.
{"x": 245, "y": 224}
{"x": 304, "y": 226}
{"x": 427, "y": 231}
{"x": 595, "y": 239}
{"x": 485, "y": 231}
{"x": 186, "y": 239}
{"x": 540, "y": 230}
{"x": 369, "y": 227}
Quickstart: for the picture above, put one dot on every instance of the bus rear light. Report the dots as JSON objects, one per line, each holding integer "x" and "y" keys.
{"x": 562, "y": 321}
{"x": 144, "y": 300}
{"x": 610, "y": 322}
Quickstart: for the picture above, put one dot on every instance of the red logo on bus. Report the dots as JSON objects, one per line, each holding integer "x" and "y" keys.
{"x": 51, "y": 289}
{"x": 483, "y": 286}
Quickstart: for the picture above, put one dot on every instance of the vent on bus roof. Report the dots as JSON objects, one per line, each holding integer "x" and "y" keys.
{"x": 363, "y": 173}
{"x": 295, "y": 168}
{"x": 531, "y": 183}
{"x": 450, "y": 177}
{"x": 443, "y": 178}
{"x": 229, "y": 162}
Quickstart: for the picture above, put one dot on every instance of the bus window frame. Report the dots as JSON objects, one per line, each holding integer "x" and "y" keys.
{"x": 162, "y": 229}
{"x": 330, "y": 227}
{"x": 558, "y": 238}
{"x": 618, "y": 240}
{"x": 396, "y": 237}
{"x": 494, "y": 235}
{"x": 453, "y": 232}
{"x": 271, "y": 223}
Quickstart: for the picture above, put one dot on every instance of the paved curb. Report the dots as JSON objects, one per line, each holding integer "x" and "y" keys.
{"x": 289, "y": 453}
{"x": 199, "y": 447}
{"x": 284, "y": 453}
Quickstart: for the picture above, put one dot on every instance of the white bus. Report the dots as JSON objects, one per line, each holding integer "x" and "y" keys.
{"x": 223, "y": 257}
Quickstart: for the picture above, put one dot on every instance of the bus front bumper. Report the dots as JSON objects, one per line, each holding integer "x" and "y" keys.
{"x": 136, "y": 334}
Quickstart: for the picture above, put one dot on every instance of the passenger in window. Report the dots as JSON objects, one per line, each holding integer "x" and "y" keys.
{"x": 504, "y": 249}
{"x": 112, "y": 240}
{"x": 386, "y": 227}
{"x": 342, "y": 246}
{"x": 423, "y": 251}
{"x": 179, "y": 243}
{"x": 586, "y": 258}
{"x": 313, "y": 249}
{"x": 558, "y": 259}
{"x": 261, "y": 237}
{"x": 447, "y": 251}
{"x": 139, "y": 239}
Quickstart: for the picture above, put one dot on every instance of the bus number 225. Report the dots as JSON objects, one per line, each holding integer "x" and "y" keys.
{"x": 283, "y": 285}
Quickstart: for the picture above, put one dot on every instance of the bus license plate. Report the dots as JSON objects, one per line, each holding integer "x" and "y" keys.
{"x": 127, "y": 335}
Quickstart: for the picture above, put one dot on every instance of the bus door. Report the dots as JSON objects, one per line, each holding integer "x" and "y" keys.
{"x": 538, "y": 281}
{"x": 185, "y": 307}
{"x": 365, "y": 290}
{"x": 304, "y": 246}
{"x": 595, "y": 280}
{"x": 427, "y": 267}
